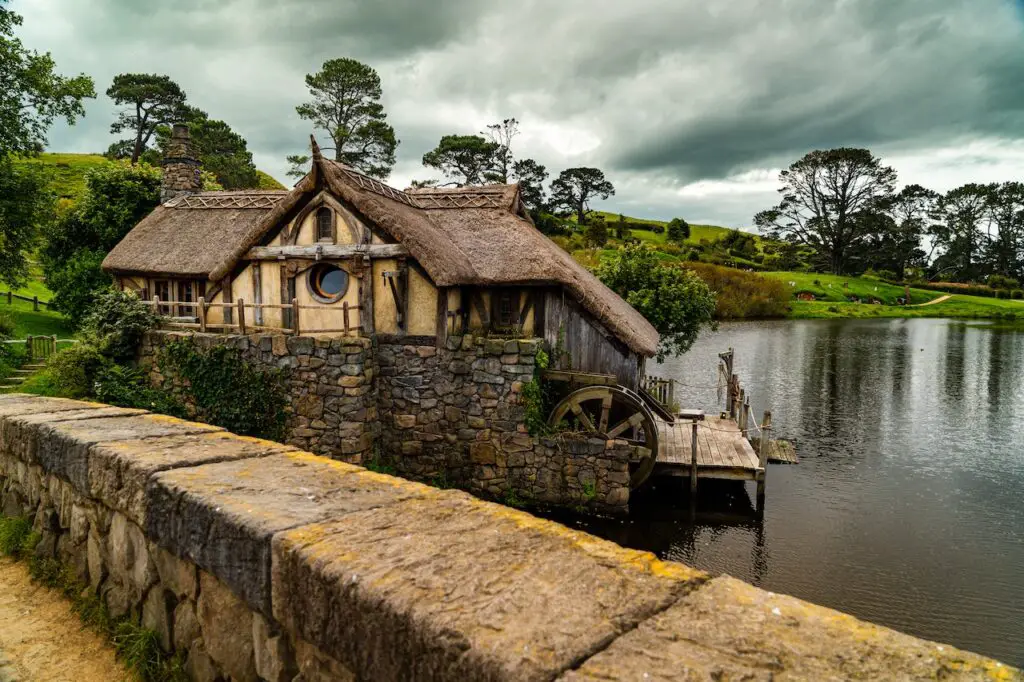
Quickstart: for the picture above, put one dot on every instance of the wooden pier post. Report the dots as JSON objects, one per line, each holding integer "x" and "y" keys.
{"x": 693, "y": 463}
{"x": 762, "y": 456}
{"x": 741, "y": 419}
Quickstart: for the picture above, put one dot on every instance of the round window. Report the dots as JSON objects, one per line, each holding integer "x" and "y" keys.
{"x": 328, "y": 283}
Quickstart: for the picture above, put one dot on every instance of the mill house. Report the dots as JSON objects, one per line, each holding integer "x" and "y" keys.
{"x": 411, "y": 321}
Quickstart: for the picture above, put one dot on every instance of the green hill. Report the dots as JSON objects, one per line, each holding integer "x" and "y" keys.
{"x": 67, "y": 172}
{"x": 697, "y": 232}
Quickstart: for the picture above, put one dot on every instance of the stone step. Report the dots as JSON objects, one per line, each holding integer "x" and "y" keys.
{"x": 34, "y": 367}
{"x": 24, "y": 372}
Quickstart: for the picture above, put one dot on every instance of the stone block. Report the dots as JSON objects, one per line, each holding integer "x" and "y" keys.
{"x": 300, "y": 345}
{"x": 316, "y": 666}
{"x": 222, "y": 516}
{"x": 226, "y": 624}
{"x": 405, "y": 421}
{"x": 482, "y": 453}
{"x": 186, "y": 626}
{"x": 158, "y": 616}
{"x": 177, "y": 576}
{"x": 199, "y": 666}
{"x": 119, "y": 472}
{"x": 455, "y": 588}
{"x": 274, "y": 659}
{"x": 731, "y": 630}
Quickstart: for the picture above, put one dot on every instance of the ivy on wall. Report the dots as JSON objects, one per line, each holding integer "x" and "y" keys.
{"x": 226, "y": 390}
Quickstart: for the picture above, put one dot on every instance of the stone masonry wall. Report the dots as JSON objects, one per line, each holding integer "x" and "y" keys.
{"x": 457, "y": 413}
{"x": 257, "y": 561}
{"x": 452, "y": 415}
{"x": 331, "y": 398}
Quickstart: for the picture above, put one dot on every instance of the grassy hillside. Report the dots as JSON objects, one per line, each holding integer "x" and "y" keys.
{"x": 697, "y": 232}
{"x": 67, "y": 172}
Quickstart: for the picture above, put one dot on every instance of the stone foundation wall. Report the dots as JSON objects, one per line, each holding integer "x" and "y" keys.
{"x": 457, "y": 412}
{"x": 452, "y": 415}
{"x": 331, "y": 397}
{"x": 257, "y": 561}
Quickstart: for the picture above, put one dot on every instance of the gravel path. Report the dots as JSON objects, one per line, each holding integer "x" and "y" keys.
{"x": 41, "y": 640}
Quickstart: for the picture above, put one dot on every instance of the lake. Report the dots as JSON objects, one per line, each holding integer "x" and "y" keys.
{"x": 907, "y": 508}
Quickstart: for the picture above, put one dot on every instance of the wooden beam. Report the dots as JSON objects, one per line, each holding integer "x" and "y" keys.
{"x": 442, "y": 316}
{"x": 366, "y": 311}
{"x": 320, "y": 251}
{"x": 257, "y": 289}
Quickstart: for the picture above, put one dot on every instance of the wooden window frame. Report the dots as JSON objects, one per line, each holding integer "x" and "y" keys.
{"x": 319, "y": 237}
{"x": 498, "y": 298}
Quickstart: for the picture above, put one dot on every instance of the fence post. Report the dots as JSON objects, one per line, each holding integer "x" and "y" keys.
{"x": 156, "y": 306}
{"x": 693, "y": 462}
{"x": 35, "y": 303}
{"x": 295, "y": 316}
{"x": 202, "y": 314}
{"x": 344, "y": 308}
{"x": 762, "y": 457}
{"x": 241, "y": 316}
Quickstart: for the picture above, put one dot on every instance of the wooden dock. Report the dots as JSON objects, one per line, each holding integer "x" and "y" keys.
{"x": 722, "y": 451}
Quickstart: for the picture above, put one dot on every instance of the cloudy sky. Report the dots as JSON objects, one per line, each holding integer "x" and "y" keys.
{"x": 689, "y": 106}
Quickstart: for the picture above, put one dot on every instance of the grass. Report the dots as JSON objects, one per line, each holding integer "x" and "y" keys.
{"x": 837, "y": 288}
{"x": 67, "y": 171}
{"x": 969, "y": 307}
{"x": 697, "y": 232}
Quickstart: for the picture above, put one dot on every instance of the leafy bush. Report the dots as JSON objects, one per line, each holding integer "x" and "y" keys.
{"x": 959, "y": 288}
{"x": 116, "y": 322}
{"x": 694, "y": 255}
{"x": 7, "y": 325}
{"x": 74, "y": 370}
{"x": 678, "y": 231}
{"x": 1002, "y": 282}
{"x": 127, "y": 387}
{"x": 677, "y": 302}
{"x": 742, "y": 294}
{"x": 1017, "y": 294}
{"x": 228, "y": 391}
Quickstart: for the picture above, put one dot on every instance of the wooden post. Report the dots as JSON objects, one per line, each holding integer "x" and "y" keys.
{"x": 906, "y": 294}
{"x": 241, "y": 316}
{"x": 53, "y": 344}
{"x": 28, "y": 347}
{"x": 762, "y": 456}
{"x": 156, "y": 305}
{"x": 202, "y": 314}
{"x": 693, "y": 462}
{"x": 35, "y": 303}
{"x": 295, "y": 316}
{"x": 344, "y": 310}
{"x": 741, "y": 418}
{"x": 734, "y": 392}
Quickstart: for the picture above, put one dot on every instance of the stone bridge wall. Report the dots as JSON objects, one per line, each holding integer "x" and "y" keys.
{"x": 262, "y": 562}
{"x": 451, "y": 415}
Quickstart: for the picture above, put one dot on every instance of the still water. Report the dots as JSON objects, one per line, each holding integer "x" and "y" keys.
{"x": 907, "y": 508}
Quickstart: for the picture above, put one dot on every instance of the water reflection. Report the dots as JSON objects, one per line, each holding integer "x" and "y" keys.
{"x": 907, "y": 506}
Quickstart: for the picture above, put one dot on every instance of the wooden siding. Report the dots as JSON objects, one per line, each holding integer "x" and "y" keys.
{"x": 588, "y": 346}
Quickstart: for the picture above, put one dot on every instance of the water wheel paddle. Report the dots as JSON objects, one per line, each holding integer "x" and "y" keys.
{"x": 613, "y": 412}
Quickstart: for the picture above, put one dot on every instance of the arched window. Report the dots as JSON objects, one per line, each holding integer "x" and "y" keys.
{"x": 324, "y": 225}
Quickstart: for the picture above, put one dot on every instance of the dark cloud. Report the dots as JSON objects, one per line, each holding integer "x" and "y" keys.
{"x": 660, "y": 93}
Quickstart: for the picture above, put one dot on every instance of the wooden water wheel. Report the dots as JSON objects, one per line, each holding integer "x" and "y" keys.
{"x": 613, "y": 412}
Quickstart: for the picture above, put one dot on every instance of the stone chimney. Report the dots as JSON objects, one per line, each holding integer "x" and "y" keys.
{"x": 181, "y": 167}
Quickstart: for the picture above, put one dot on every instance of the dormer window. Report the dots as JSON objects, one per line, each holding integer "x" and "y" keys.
{"x": 324, "y": 225}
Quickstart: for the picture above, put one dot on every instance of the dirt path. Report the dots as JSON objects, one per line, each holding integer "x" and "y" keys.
{"x": 940, "y": 299}
{"x": 41, "y": 640}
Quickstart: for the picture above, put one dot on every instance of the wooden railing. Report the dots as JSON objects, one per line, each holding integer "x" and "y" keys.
{"x": 237, "y": 321}
{"x": 662, "y": 390}
{"x": 33, "y": 300}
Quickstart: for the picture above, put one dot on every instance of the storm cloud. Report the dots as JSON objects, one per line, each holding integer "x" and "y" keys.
{"x": 689, "y": 106}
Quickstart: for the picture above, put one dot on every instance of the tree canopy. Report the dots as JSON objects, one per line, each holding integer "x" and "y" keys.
{"x": 32, "y": 94}
{"x": 346, "y": 104}
{"x": 531, "y": 177}
{"x": 575, "y": 188}
{"x": 827, "y": 201}
{"x": 463, "y": 159}
{"x": 678, "y": 231}
{"x": 503, "y": 161}
{"x": 148, "y": 101}
{"x": 676, "y": 301}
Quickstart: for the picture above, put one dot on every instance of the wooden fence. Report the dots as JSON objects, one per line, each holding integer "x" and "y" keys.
{"x": 237, "y": 320}
{"x": 662, "y": 390}
{"x": 33, "y": 300}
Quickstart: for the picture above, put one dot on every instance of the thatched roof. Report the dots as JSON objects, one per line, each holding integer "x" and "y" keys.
{"x": 464, "y": 236}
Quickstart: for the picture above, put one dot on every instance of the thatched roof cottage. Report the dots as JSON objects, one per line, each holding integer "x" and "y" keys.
{"x": 346, "y": 253}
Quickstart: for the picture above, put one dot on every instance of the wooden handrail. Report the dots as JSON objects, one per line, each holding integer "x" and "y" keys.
{"x": 241, "y": 324}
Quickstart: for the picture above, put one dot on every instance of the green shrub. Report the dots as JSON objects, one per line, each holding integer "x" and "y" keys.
{"x": 7, "y": 325}
{"x": 959, "y": 288}
{"x": 1017, "y": 294}
{"x": 116, "y": 322}
{"x": 694, "y": 255}
{"x": 15, "y": 535}
{"x": 127, "y": 387}
{"x": 1002, "y": 293}
{"x": 742, "y": 294}
{"x": 228, "y": 391}
{"x": 74, "y": 370}
{"x": 1002, "y": 282}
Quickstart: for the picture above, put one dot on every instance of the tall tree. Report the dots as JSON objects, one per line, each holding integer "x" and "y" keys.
{"x": 502, "y": 134}
{"x": 463, "y": 159}
{"x": 221, "y": 150}
{"x": 26, "y": 204}
{"x": 32, "y": 95}
{"x": 149, "y": 101}
{"x": 962, "y": 215}
{"x": 575, "y": 188}
{"x": 825, "y": 197}
{"x": 346, "y": 104}
{"x": 678, "y": 231}
{"x": 1006, "y": 240}
{"x": 531, "y": 177}
{"x": 898, "y": 245}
